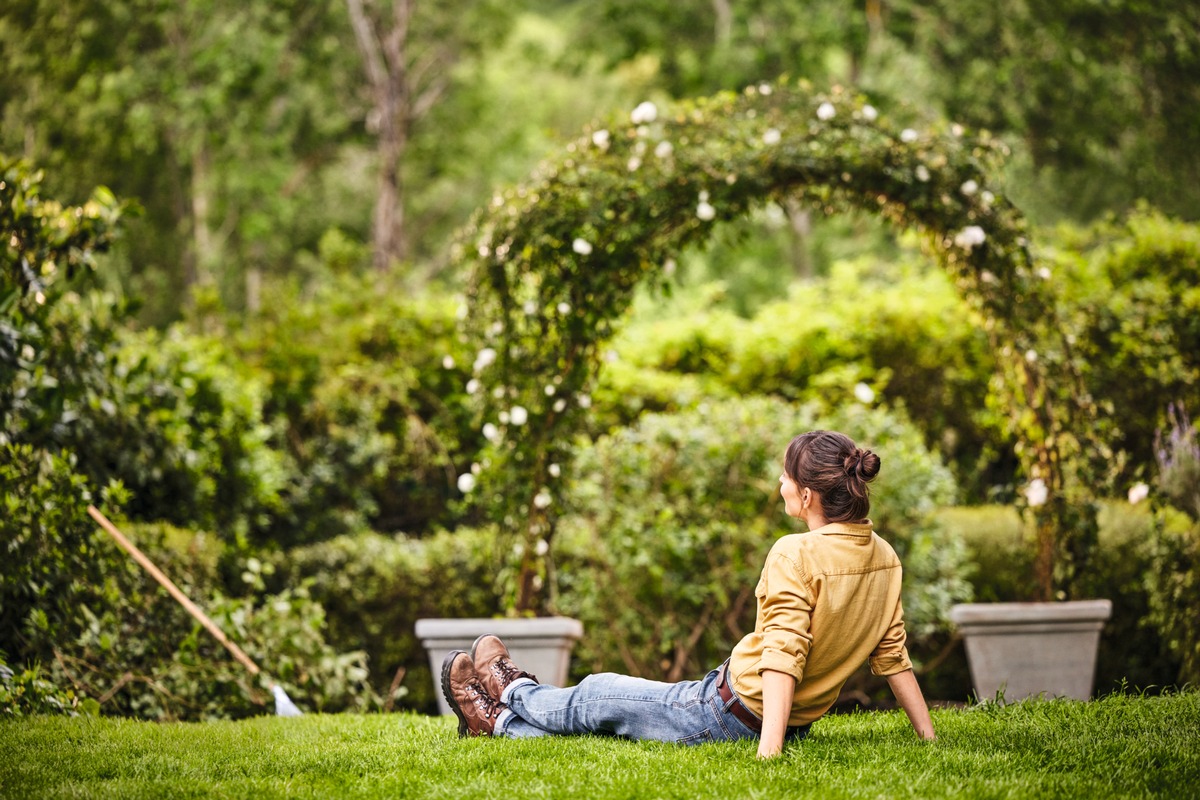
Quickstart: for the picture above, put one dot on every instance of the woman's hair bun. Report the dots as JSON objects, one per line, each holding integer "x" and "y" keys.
{"x": 861, "y": 464}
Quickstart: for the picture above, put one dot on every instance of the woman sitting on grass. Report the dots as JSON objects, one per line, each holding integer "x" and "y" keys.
{"x": 827, "y": 601}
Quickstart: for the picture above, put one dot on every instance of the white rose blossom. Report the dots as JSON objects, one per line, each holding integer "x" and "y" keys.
{"x": 1138, "y": 492}
{"x": 1031, "y": 356}
{"x": 585, "y": 401}
{"x": 772, "y": 136}
{"x": 1037, "y": 492}
{"x": 633, "y": 164}
{"x": 908, "y": 135}
{"x": 922, "y": 172}
{"x": 473, "y": 386}
{"x": 564, "y": 308}
{"x": 541, "y": 499}
{"x": 518, "y": 415}
{"x": 645, "y": 112}
{"x": 969, "y": 188}
{"x": 664, "y": 149}
{"x": 555, "y": 470}
{"x": 864, "y": 393}
{"x": 582, "y": 246}
{"x": 559, "y": 405}
{"x": 542, "y": 547}
{"x": 491, "y": 432}
{"x": 600, "y": 139}
{"x": 869, "y": 113}
{"x": 466, "y": 482}
{"x": 970, "y": 237}
{"x": 485, "y": 358}
{"x": 826, "y": 111}
{"x": 448, "y": 362}
{"x": 705, "y": 211}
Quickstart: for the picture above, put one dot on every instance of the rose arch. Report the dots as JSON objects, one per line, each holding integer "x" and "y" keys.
{"x": 554, "y": 264}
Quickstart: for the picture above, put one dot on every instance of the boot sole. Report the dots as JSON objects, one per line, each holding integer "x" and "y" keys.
{"x": 449, "y": 695}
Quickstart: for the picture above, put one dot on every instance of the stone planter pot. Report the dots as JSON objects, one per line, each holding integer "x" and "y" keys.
{"x": 1032, "y": 649}
{"x": 540, "y": 645}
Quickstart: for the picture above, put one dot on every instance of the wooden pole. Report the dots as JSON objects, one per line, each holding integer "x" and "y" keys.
{"x": 174, "y": 591}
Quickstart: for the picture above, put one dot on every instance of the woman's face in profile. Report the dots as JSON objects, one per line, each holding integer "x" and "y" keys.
{"x": 791, "y": 495}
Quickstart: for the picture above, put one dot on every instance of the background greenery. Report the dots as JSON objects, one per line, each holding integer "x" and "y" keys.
{"x": 221, "y": 361}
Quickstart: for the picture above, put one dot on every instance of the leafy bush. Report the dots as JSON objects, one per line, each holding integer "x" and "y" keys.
{"x": 55, "y": 562}
{"x": 374, "y": 588}
{"x": 902, "y": 332}
{"x": 29, "y": 692}
{"x": 72, "y": 601}
{"x": 143, "y": 655}
{"x": 170, "y": 416}
{"x": 1174, "y": 580}
{"x": 1134, "y": 287}
{"x": 365, "y": 398}
{"x": 670, "y": 519}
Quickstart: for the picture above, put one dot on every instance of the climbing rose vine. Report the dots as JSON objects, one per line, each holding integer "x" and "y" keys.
{"x": 554, "y": 263}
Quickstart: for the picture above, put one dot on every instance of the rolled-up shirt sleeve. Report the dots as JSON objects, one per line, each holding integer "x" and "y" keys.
{"x": 891, "y": 655}
{"x": 787, "y": 604}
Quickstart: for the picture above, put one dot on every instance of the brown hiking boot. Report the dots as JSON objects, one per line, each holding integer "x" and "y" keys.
{"x": 494, "y": 666}
{"x": 477, "y": 711}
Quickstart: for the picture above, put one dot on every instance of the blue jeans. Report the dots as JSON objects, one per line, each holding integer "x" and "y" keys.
{"x": 690, "y": 712}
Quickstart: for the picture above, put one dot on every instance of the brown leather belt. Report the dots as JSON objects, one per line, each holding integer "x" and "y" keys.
{"x": 736, "y": 707}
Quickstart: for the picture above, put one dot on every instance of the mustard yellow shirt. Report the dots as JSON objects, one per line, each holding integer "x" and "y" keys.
{"x": 828, "y": 600}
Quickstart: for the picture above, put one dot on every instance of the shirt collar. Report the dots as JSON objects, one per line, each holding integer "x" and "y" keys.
{"x": 851, "y": 528}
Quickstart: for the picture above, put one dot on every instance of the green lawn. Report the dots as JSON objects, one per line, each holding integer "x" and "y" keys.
{"x": 1115, "y": 747}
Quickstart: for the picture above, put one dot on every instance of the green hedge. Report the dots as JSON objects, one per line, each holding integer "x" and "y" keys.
{"x": 375, "y": 587}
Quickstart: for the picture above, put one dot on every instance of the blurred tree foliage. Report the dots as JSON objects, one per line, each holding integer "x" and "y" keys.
{"x": 1105, "y": 95}
{"x": 247, "y": 130}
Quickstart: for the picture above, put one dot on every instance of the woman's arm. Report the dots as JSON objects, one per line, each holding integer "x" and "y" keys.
{"x": 908, "y": 693}
{"x": 778, "y": 690}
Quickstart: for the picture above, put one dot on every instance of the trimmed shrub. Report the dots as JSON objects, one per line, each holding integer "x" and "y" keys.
{"x": 365, "y": 396}
{"x": 374, "y": 588}
{"x": 903, "y": 333}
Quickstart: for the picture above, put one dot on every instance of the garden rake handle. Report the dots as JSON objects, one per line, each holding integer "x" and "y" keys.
{"x": 167, "y": 584}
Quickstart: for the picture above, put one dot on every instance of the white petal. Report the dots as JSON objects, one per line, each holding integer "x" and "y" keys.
{"x": 645, "y": 112}
{"x": 582, "y": 246}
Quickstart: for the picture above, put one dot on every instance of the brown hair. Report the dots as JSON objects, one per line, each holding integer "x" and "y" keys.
{"x": 834, "y": 467}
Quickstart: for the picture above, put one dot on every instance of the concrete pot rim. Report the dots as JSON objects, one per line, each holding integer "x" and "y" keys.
{"x": 1007, "y": 613}
{"x": 451, "y": 627}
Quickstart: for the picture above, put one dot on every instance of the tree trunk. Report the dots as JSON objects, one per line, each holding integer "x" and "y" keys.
{"x": 385, "y": 54}
{"x": 202, "y": 236}
{"x": 800, "y": 220}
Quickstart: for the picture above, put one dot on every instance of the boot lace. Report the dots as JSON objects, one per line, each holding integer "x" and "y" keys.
{"x": 489, "y": 706}
{"x": 506, "y": 672}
